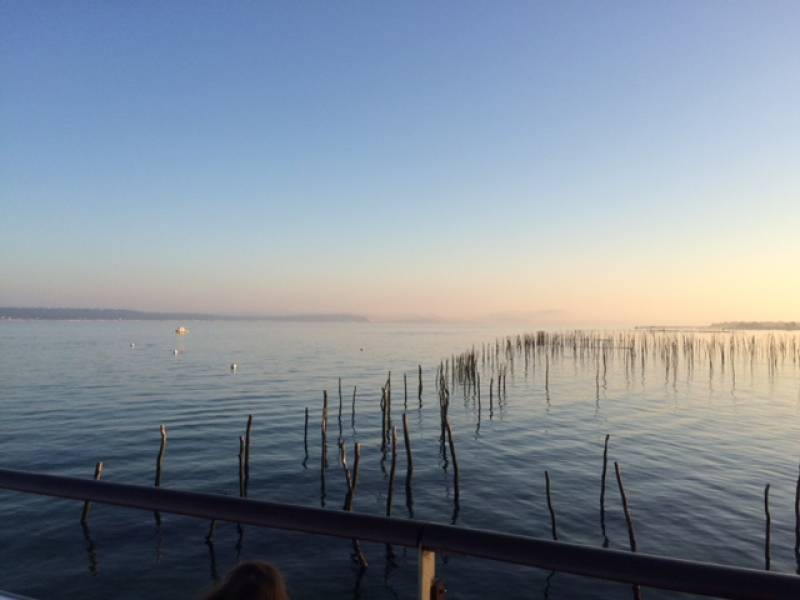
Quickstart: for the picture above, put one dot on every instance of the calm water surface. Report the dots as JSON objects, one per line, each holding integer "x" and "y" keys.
{"x": 696, "y": 446}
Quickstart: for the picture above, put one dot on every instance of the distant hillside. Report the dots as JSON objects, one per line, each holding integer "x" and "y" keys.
{"x": 113, "y": 314}
{"x": 784, "y": 325}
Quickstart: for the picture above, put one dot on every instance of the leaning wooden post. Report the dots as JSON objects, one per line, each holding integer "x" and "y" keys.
{"x": 160, "y": 464}
{"x": 637, "y": 594}
{"x": 405, "y": 392}
{"x": 768, "y": 526}
{"x": 247, "y": 453}
{"x": 87, "y": 505}
{"x": 453, "y": 457}
{"x": 550, "y": 505}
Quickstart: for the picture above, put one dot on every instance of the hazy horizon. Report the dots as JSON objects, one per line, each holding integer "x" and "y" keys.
{"x": 618, "y": 163}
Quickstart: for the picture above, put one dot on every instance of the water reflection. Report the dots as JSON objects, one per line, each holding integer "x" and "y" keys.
{"x": 91, "y": 549}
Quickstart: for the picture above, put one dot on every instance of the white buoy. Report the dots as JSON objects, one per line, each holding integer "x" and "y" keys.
{"x": 234, "y": 367}
{"x": 133, "y": 345}
{"x": 175, "y": 352}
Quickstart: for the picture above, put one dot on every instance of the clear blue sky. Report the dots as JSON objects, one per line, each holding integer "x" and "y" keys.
{"x": 620, "y": 160}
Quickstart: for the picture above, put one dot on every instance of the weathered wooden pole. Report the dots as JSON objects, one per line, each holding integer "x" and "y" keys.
{"x": 242, "y": 488}
{"x": 550, "y": 505}
{"x": 340, "y": 405}
{"x": 768, "y": 527}
{"x": 305, "y": 437}
{"x": 637, "y": 594}
{"x": 352, "y": 482}
{"x": 419, "y": 386}
{"x": 797, "y": 518}
{"x": 87, "y": 506}
{"x": 392, "y": 470}
{"x": 603, "y": 483}
{"x": 247, "y": 453}
{"x": 453, "y": 457}
{"x": 409, "y": 466}
{"x": 159, "y": 465}
{"x": 491, "y": 397}
{"x": 324, "y": 429}
{"x": 353, "y": 409}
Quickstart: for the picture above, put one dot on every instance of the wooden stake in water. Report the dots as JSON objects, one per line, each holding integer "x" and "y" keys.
{"x": 797, "y": 517}
{"x": 603, "y": 483}
{"x": 405, "y": 392}
{"x": 247, "y": 453}
{"x": 550, "y": 505}
{"x": 242, "y": 488}
{"x": 352, "y": 482}
{"x": 353, "y": 409}
{"x": 768, "y": 528}
{"x": 87, "y": 506}
{"x": 340, "y": 405}
{"x": 409, "y": 466}
{"x": 419, "y": 386}
{"x": 391, "y": 473}
{"x": 324, "y": 429}
{"x": 637, "y": 594}
{"x": 160, "y": 464}
{"x": 305, "y": 437}
{"x": 453, "y": 457}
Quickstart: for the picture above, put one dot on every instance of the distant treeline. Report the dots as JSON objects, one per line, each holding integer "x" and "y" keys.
{"x": 785, "y": 325}
{"x": 113, "y": 314}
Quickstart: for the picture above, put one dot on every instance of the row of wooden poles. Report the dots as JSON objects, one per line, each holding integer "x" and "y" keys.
{"x": 389, "y": 445}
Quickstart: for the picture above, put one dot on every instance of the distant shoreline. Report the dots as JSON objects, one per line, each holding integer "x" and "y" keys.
{"x": 728, "y": 326}
{"x": 103, "y": 314}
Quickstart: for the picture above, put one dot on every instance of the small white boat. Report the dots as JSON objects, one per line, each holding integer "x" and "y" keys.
{"x": 181, "y": 330}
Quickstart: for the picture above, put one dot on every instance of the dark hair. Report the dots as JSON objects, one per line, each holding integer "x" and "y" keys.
{"x": 251, "y": 580}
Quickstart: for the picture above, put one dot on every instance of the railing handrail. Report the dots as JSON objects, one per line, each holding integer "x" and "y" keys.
{"x": 648, "y": 570}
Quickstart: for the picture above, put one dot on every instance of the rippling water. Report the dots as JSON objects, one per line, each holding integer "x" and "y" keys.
{"x": 696, "y": 447}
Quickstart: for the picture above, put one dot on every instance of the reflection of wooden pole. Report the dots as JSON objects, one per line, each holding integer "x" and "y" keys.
{"x": 87, "y": 506}
{"x": 550, "y": 505}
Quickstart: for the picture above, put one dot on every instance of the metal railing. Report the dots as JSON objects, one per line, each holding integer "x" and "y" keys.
{"x": 429, "y": 538}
